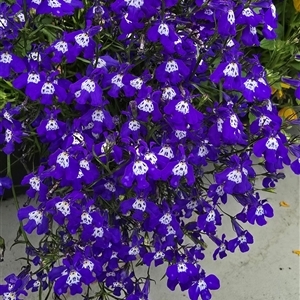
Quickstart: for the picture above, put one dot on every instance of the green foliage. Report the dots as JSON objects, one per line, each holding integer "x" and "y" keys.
{"x": 278, "y": 56}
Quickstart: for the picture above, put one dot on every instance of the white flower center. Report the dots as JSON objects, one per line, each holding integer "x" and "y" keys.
{"x": 86, "y": 218}
{"x": 54, "y": 3}
{"x": 163, "y": 29}
{"x": 250, "y": 84}
{"x": 166, "y": 219}
{"x": 134, "y": 251}
{"x": 183, "y": 107}
{"x": 8, "y": 135}
{"x": 220, "y": 190}
{"x": 87, "y": 264}
{"x": 171, "y": 66}
{"x": 3, "y": 22}
{"x": 82, "y": 39}
{"x": 231, "y": 70}
{"x": 259, "y": 211}
{"x": 181, "y": 267}
{"x": 137, "y": 83}
{"x": 139, "y": 204}
{"x": 159, "y": 255}
{"x": 88, "y": 85}
{"x": 231, "y": 17}
{"x": 33, "y": 78}
{"x": 233, "y": 121}
{"x": 168, "y": 93}
{"x": 201, "y": 285}
{"x": 135, "y": 3}
{"x": 146, "y": 105}
{"x": 242, "y": 239}
{"x": 110, "y": 186}
{"x": 264, "y": 120}
{"x": 77, "y": 138}
{"x": 166, "y": 151}
{"x": 253, "y": 30}
{"x": 98, "y": 116}
{"x": 203, "y": 151}
{"x": 10, "y": 295}
{"x": 100, "y": 63}
{"x": 117, "y": 80}
{"x": 211, "y": 216}
{"x": 98, "y": 232}
{"x": 73, "y": 278}
{"x": 192, "y": 204}
{"x": 37, "y": 216}
{"x": 61, "y": 46}
{"x": 134, "y": 125}
{"x": 84, "y": 164}
{"x": 180, "y": 134}
{"x": 6, "y": 58}
{"x": 63, "y": 160}
{"x": 139, "y": 168}
{"x": 52, "y": 125}
{"x": 35, "y": 183}
{"x": 63, "y": 207}
{"x": 151, "y": 157}
{"x": 247, "y": 12}
{"x": 235, "y": 176}
{"x": 47, "y": 89}
{"x": 180, "y": 169}
{"x": 272, "y": 144}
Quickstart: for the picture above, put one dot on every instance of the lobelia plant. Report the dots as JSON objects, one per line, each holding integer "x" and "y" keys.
{"x": 131, "y": 106}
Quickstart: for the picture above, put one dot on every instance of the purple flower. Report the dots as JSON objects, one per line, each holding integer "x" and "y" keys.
{"x": 99, "y": 118}
{"x": 208, "y": 220}
{"x": 230, "y": 70}
{"x": 8, "y": 62}
{"x": 12, "y": 135}
{"x": 51, "y": 128}
{"x": 222, "y": 246}
{"x": 118, "y": 281}
{"x": 235, "y": 179}
{"x": 140, "y": 205}
{"x": 226, "y": 21}
{"x": 83, "y": 40}
{"x": 87, "y": 89}
{"x": 14, "y": 287}
{"x": 36, "y": 219}
{"x": 40, "y": 282}
{"x": 65, "y": 165}
{"x": 203, "y": 286}
{"x": 258, "y": 212}
{"x": 172, "y": 71}
{"x": 70, "y": 275}
{"x": 138, "y": 171}
{"x": 271, "y": 147}
{"x": 36, "y": 184}
{"x": 57, "y": 8}
{"x": 5, "y": 183}
{"x": 165, "y": 34}
{"x": 181, "y": 273}
{"x": 242, "y": 240}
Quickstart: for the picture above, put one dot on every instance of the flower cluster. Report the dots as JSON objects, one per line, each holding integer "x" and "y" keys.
{"x": 134, "y": 102}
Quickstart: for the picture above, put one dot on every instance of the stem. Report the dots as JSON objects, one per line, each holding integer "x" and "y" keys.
{"x": 17, "y": 205}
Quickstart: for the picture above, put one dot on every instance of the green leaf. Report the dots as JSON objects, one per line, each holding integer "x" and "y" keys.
{"x": 280, "y": 31}
{"x": 251, "y": 117}
{"x": 295, "y": 65}
{"x": 267, "y": 44}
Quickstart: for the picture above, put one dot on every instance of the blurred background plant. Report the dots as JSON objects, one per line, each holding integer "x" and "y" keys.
{"x": 279, "y": 57}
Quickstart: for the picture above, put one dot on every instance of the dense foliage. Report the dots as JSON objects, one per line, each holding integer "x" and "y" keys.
{"x": 138, "y": 111}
